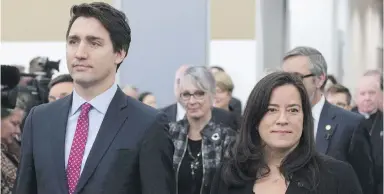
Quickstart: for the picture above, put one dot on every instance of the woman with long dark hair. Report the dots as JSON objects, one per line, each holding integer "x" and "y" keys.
{"x": 275, "y": 152}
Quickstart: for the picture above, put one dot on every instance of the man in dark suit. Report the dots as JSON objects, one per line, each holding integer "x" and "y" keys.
{"x": 176, "y": 112}
{"x": 369, "y": 100}
{"x": 339, "y": 133}
{"x": 375, "y": 122}
{"x": 96, "y": 140}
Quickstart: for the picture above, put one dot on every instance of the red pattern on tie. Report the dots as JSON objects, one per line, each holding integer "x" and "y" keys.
{"x": 77, "y": 148}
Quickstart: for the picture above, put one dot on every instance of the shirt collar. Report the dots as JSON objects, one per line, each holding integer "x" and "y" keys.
{"x": 368, "y": 115}
{"x": 180, "y": 107}
{"x": 180, "y": 114}
{"x": 100, "y": 102}
{"x": 316, "y": 110}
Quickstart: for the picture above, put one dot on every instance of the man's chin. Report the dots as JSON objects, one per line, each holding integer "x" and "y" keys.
{"x": 83, "y": 82}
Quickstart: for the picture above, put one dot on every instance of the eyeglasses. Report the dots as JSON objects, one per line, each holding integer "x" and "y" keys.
{"x": 302, "y": 77}
{"x": 198, "y": 95}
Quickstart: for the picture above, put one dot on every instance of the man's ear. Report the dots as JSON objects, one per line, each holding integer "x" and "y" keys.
{"x": 119, "y": 56}
{"x": 321, "y": 81}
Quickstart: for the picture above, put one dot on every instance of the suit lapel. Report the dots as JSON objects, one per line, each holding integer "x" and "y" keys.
{"x": 326, "y": 128}
{"x": 58, "y": 129}
{"x": 116, "y": 115}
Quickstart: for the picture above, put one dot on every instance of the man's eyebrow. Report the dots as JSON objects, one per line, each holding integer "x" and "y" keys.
{"x": 93, "y": 38}
{"x": 73, "y": 37}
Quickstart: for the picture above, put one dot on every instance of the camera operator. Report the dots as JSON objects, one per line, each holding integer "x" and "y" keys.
{"x": 35, "y": 91}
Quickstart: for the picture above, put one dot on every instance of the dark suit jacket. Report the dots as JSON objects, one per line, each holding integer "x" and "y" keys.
{"x": 335, "y": 177}
{"x": 219, "y": 116}
{"x": 132, "y": 152}
{"x": 235, "y": 105}
{"x": 377, "y": 150}
{"x": 347, "y": 140}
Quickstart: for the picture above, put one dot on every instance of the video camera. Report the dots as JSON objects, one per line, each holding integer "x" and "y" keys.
{"x": 36, "y": 90}
{"x": 42, "y": 67}
{"x": 10, "y": 77}
{"x": 32, "y": 93}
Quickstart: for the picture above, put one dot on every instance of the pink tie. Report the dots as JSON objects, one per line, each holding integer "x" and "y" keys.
{"x": 77, "y": 148}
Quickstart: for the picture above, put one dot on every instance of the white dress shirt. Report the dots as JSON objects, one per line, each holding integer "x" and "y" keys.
{"x": 316, "y": 112}
{"x": 180, "y": 113}
{"x": 96, "y": 115}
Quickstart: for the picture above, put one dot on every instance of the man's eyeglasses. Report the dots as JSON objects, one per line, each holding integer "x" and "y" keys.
{"x": 198, "y": 95}
{"x": 302, "y": 77}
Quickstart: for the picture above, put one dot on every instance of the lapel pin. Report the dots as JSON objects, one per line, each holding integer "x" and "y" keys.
{"x": 215, "y": 137}
{"x": 381, "y": 133}
{"x": 328, "y": 127}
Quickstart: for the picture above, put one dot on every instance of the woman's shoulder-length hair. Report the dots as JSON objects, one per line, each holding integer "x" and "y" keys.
{"x": 246, "y": 161}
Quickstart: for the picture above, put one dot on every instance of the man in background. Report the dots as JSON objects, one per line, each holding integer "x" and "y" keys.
{"x": 338, "y": 133}
{"x": 370, "y": 104}
{"x": 367, "y": 96}
{"x": 59, "y": 87}
{"x": 340, "y": 96}
{"x": 131, "y": 91}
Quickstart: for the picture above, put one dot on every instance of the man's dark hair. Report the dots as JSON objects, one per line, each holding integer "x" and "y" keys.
{"x": 338, "y": 88}
{"x": 218, "y": 68}
{"x": 113, "y": 20}
{"x": 143, "y": 95}
{"x": 60, "y": 79}
{"x": 332, "y": 79}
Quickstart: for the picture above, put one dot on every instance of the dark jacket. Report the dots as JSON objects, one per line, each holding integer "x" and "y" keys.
{"x": 215, "y": 142}
{"x": 377, "y": 150}
{"x": 132, "y": 152}
{"x": 343, "y": 135}
{"x": 235, "y": 105}
{"x": 335, "y": 177}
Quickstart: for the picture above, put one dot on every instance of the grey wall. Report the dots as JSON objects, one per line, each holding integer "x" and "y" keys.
{"x": 165, "y": 35}
{"x": 272, "y": 32}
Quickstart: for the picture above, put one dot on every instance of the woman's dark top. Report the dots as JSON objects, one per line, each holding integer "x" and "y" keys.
{"x": 335, "y": 177}
{"x": 190, "y": 182}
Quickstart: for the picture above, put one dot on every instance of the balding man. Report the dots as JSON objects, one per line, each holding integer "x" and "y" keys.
{"x": 367, "y": 96}
{"x": 176, "y": 111}
{"x": 369, "y": 100}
